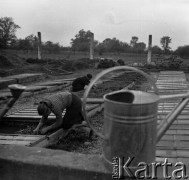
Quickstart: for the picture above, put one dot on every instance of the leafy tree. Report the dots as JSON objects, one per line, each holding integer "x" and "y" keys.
{"x": 81, "y": 41}
{"x": 182, "y": 51}
{"x": 107, "y": 44}
{"x": 156, "y": 50}
{"x": 8, "y": 29}
{"x": 165, "y": 41}
{"x": 23, "y": 44}
{"x": 100, "y": 48}
{"x": 140, "y": 47}
{"x": 133, "y": 41}
{"x": 114, "y": 45}
{"x": 33, "y": 41}
{"x": 29, "y": 43}
{"x": 51, "y": 47}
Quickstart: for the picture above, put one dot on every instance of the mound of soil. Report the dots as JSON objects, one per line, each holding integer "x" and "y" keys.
{"x": 10, "y": 63}
{"x": 4, "y": 62}
{"x": 10, "y": 59}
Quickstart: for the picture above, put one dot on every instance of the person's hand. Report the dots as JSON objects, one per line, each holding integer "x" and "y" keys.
{"x": 36, "y": 131}
{"x": 85, "y": 87}
{"x": 44, "y": 130}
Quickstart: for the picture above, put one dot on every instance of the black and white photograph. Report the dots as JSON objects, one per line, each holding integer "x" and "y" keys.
{"x": 94, "y": 89}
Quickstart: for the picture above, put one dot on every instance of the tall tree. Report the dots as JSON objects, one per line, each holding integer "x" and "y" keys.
{"x": 81, "y": 41}
{"x": 133, "y": 41}
{"x": 8, "y": 29}
{"x": 165, "y": 41}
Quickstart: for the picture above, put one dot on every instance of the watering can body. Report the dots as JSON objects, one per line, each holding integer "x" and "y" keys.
{"x": 130, "y": 123}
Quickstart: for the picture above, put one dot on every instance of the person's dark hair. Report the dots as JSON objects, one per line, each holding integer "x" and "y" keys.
{"x": 42, "y": 108}
{"x": 89, "y": 76}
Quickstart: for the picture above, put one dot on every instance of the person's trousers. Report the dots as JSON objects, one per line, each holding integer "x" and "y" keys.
{"x": 73, "y": 113}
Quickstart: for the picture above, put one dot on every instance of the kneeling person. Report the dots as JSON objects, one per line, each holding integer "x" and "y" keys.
{"x": 56, "y": 104}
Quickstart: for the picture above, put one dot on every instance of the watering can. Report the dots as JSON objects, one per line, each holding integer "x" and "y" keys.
{"x": 130, "y": 120}
{"x": 16, "y": 91}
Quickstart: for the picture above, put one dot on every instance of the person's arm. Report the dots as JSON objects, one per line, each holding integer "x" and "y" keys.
{"x": 86, "y": 81}
{"x": 41, "y": 123}
{"x": 56, "y": 125}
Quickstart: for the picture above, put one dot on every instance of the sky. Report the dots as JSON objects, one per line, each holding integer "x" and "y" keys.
{"x": 60, "y": 20}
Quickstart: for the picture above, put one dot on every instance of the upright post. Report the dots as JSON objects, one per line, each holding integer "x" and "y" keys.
{"x": 149, "y": 58}
{"x": 39, "y": 45}
{"x": 92, "y": 46}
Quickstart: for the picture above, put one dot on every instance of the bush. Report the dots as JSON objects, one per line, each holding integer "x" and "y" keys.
{"x": 106, "y": 63}
{"x": 120, "y": 62}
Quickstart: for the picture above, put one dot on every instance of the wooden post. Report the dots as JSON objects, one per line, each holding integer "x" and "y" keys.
{"x": 92, "y": 46}
{"x": 39, "y": 45}
{"x": 149, "y": 58}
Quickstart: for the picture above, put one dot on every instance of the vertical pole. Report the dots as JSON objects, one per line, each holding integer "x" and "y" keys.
{"x": 92, "y": 46}
{"x": 39, "y": 45}
{"x": 149, "y": 58}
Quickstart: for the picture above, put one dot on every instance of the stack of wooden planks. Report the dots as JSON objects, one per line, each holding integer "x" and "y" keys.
{"x": 174, "y": 145}
{"x": 30, "y": 115}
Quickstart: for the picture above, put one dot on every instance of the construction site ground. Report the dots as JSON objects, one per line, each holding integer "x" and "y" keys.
{"x": 76, "y": 141}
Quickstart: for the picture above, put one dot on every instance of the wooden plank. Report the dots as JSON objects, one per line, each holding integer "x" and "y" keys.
{"x": 19, "y": 137}
{"x": 180, "y": 126}
{"x": 180, "y": 117}
{"x": 175, "y": 144}
{"x": 180, "y": 122}
{"x": 31, "y": 115}
{"x": 94, "y": 100}
{"x": 4, "y": 142}
{"x": 90, "y": 107}
{"x": 161, "y": 111}
{"x": 48, "y": 140}
{"x": 175, "y": 131}
{"x": 170, "y": 107}
{"x": 171, "y": 148}
{"x": 170, "y": 160}
{"x": 175, "y": 137}
{"x": 172, "y": 153}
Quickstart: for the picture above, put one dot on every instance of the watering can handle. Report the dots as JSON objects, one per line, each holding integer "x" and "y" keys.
{"x": 98, "y": 76}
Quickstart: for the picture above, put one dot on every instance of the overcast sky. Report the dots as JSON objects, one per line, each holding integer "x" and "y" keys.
{"x": 61, "y": 20}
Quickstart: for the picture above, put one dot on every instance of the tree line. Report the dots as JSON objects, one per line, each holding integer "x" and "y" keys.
{"x": 81, "y": 42}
